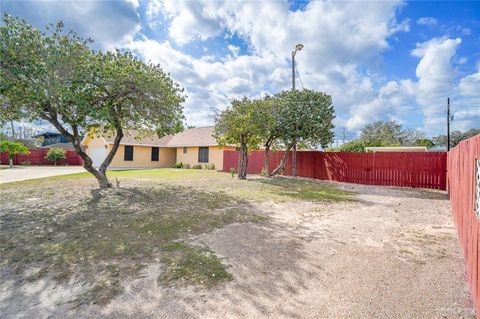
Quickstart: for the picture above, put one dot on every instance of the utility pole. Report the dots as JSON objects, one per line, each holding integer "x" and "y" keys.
{"x": 448, "y": 124}
{"x": 343, "y": 135}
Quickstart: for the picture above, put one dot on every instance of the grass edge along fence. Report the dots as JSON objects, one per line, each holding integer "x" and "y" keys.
{"x": 463, "y": 192}
{"x": 37, "y": 157}
{"x": 405, "y": 169}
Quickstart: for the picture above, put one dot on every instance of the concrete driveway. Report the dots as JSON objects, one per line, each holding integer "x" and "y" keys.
{"x": 21, "y": 173}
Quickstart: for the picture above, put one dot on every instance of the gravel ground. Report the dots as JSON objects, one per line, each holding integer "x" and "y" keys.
{"x": 391, "y": 254}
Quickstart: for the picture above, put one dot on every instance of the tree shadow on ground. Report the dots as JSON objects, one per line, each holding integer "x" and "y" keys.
{"x": 100, "y": 242}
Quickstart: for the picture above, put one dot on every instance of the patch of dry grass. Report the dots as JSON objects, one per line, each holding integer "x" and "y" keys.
{"x": 90, "y": 235}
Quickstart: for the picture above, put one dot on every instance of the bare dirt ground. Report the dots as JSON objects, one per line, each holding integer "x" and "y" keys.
{"x": 391, "y": 253}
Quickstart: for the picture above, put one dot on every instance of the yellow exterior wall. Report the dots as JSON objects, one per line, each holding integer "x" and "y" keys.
{"x": 215, "y": 156}
{"x": 93, "y": 142}
{"x": 142, "y": 156}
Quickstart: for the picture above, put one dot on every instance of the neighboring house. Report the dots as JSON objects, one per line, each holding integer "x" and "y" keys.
{"x": 192, "y": 146}
{"x": 379, "y": 149}
{"x": 53, "y": 139}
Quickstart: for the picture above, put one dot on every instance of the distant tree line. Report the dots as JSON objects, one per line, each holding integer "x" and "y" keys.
{"x": 391, "y": 133}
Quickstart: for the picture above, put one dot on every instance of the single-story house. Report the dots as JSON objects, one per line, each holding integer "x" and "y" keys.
{"x": 192, "y": 146}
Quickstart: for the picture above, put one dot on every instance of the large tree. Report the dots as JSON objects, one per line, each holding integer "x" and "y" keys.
{"x": 303, "y": 117}
{"x": 56, "y": 77}
{"x": 455, "y": 137}
{"x": 239, "y": 125}
{"x": 389, "y": 133}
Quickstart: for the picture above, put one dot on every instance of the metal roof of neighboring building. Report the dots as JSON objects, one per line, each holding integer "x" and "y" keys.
{"x": 376, "y": 149}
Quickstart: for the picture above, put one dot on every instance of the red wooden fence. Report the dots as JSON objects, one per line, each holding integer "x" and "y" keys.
{"x": 424, "y": 170}
{"x": 37, "y": 157}
{"x": 461, "y": 188}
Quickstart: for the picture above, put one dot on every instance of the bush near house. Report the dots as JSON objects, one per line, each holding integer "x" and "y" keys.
{"x": 55, "y": 154}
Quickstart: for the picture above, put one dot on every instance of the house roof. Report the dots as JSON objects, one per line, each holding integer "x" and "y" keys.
{"x": 65, "y": 146}
{"x": 47, "y": 134}
{"x": 131, "y": 137}
{"x": 198, "y": 136}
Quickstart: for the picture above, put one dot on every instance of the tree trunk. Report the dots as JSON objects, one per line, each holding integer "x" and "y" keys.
{"x": 74, "y": 138}
{"x": 10, "y": 160}
{"x": 283, "y": 161}
{"x": 242, "y": 160}
{"x": 55, "y": 163}
{"x": 266, "y": 165}
{"x": 294, "y": 159}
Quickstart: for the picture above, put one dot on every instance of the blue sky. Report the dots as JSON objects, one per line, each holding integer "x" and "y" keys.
{"x": 379, "y": 60}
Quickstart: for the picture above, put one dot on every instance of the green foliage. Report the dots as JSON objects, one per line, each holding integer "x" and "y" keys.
{"x": 305, "y": 117}
{"x": 455, "y": 137}
{"x": 389, "y": 133}
{"x": 359, "y": 145}
{"x": 56, "y": 77}
{"x": 13, "y": 148}
{"x": 238, "y": 124}
{"x": 352, "y": 146}
{"x": 232, "y": 171}
{"x": 55, "y": 153}
{"x": 424, "y": 142}
{"x": 197, "y": 166}
{"x": 179, "y": 165}
{"x": 187, "y": 165}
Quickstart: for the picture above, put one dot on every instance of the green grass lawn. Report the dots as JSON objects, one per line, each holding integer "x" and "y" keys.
{"x": 64, "y": 227}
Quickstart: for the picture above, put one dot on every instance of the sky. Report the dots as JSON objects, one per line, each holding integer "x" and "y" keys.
{"x": 379, "y": 60}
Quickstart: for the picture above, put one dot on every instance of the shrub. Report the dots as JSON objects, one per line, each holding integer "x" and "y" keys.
{"x": 54, "y": 154}
{"x": 27, "y": 162}
{"x": 232, "y": 171}
{"x": 179, "y": 165}
{"x": 186, "y": 166}
{"x": 197, "y": 166}
{"x": 212, "y": 166}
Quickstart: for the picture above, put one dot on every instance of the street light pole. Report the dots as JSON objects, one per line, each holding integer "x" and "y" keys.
{"x": 298, "y": 47}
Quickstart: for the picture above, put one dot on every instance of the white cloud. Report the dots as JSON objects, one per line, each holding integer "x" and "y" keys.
{"x": 342, "y": 54}
{"x": 109, "y": 25}
{"x": 427, "y": 21}
{"x": 335, "y": 48}
{"x": 436, "y": 77}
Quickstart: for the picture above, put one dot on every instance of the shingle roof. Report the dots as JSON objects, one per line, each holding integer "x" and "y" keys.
{"x": 198, "y": 136}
